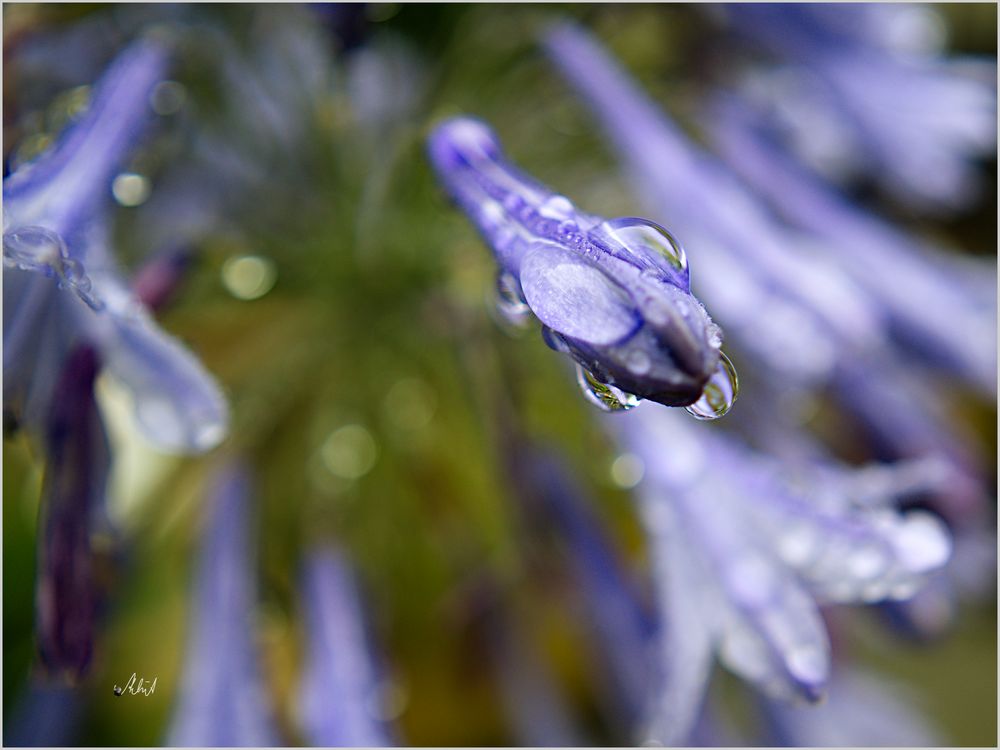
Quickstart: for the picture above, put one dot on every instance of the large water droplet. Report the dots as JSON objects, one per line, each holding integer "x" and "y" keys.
{"x": 554, "y": 341}
{"x": 719, "y": 394}
{"x": 557, "y": 207}
{"x": 510, "y": 306}
{"x": 605, "y": 397}
{"x": 649, "y": 242}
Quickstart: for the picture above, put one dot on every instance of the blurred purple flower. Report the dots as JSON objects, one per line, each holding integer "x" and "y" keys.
{"x": 862, "y": 711}
{"x": 44, "y": 716}
{"x": 854, "y": 95}
{"x": 925, "y": 294}
{"x": 612, "y": 294}
{"x": 623, "y": 630}
{"x": 341, "y": 693}
{"x": 61, "y": 286}
{"x": 745, "y": 549}
{"x": 782, "y": 297}
{"x": 222, "y": 700}
{"x": 791, "y": 309}
{"x": 77, "y": 465}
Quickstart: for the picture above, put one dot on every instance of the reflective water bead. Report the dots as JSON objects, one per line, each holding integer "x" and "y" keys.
{"x": 638, "y": 361}
{"x": 602, "y": 395}
{"x": 34, "y": 249}
{"x": 554, "y": 341}
{"x": 867, "y": 562}
{"x": 719, "y": 394}
{"x": 648, "y": 241}
{"x": 510, "y": 306}
{"x": 557, "y": 207}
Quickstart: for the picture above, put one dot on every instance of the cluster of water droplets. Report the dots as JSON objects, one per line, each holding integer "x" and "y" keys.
{"x": 41, "y": 250}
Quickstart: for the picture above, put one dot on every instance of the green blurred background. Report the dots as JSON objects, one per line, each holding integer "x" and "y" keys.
{"x": 346, "y": 292}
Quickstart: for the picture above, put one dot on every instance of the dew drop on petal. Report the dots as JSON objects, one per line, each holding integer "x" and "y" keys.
{"x": 638, "y": 362}
{"x": 647, "y": 240}
{"x": 719, "y": 394}
{"x": 554, "y": 341}
{"x": 867, "y": 562}
{"x": 510, "y": 306}
{"x": 557, "y": 207}
{"x": 808, "y": 664}
{"x": 605, "y": 397}
{"x": 798, "y": 545}
{"x": 922, "y": 543}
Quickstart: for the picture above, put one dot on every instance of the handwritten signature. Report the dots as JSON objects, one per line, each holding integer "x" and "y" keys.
{"x": 136, "y": 686}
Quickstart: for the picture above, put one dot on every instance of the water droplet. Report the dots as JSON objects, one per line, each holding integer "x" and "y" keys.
{"x": 602, "y": 395}
{"x": 554, "y": 341}
{"x": 867, "y": 562}
{"x": 34, "y": 249}
{"x": 248, "y": 277}
{"x": 649, "y": 242}
{"x": 638, "y": 361}
{"x": 557, "y": 207}
{"x": 808, "y": 664}
{"x": 509, "y": 304}
{"x": 130, "y": 189}
{"x": 720, "y": 392}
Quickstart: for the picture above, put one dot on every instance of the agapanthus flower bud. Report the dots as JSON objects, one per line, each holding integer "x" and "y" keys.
{"x": 62, "y": 287}
{"x": 615, "y": 295}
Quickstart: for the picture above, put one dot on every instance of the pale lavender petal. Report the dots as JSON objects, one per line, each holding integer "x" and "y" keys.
{"x": 536, "y": 708}
{"x": 685, "y": 641}
{"x": 341, "y": 687}
{"x": 863, "y": 710}
{"x": 222, "y": 700}
{"x": 68, "y": 184}
{"x": 900, "y": 271}
{"x": 574, "y": 298}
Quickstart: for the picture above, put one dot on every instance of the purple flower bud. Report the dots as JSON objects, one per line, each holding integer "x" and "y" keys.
{"x": 613, "y": 294}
